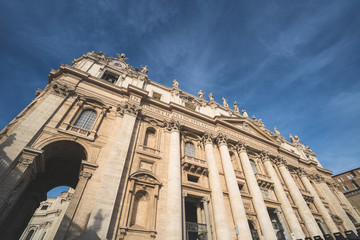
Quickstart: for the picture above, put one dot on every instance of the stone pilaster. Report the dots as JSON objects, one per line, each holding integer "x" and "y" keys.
{"x": 102, "y": 213}
{"x": 295, "y": 193}
{"x": 237, "y": 205}
{"x": 318, "y": 203}
{"x": 257, "y": 197}
{"x": 334, "y": 203}
{"x": 287, "y": 209}
{"x": 218, "y": 203}
{"x": 174, "y": 212}
{"x": 207, "y": 217}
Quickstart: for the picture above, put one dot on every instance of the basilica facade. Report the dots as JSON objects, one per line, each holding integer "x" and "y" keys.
{"x": 149, "y": 161}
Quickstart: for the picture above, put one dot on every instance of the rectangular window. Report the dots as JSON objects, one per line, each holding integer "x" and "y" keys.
{"x": 110, "y": 77}
{"x": 346, "y": 188}
{"x": 349, "y": 176}
{"x": 355, "y": 186}
{"x": 157, "y": 96}
{"x": 340, "y": 179}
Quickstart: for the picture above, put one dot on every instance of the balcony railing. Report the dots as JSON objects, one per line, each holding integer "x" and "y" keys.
{"x": 307, "y": 195}
{"x": 193, "y": 164}
{"x": 264, "y": 181}
{"x": 196, "y": 231}
{"x": 149, "y": 149}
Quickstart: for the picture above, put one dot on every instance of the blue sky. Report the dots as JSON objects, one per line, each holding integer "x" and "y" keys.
{"x": 294, "y": 64}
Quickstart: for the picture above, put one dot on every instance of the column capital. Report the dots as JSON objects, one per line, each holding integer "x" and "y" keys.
{"x": 319, "y": 178}
{"x": 205, "y": 199}
{"x": 172, "y": 126}
{"x": 264, "y": 156}
{"x": 207, "y": 138}
{"x": 127, "y": 108}
{"x": 221, "y": 139}
{"x": 280, "y": 161}
{"x": 84, "y": 174}
{"x": 241, "y": 147}
{"x": 301, "y": 172}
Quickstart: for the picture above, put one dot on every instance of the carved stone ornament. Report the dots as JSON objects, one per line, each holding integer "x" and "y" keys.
{"x": 244, "y": 113}
{"x": 280, "y": 161}
{"x": 207, "y": 138}
{"x": 225, "y": 102}
{"x": 319, "y": 178}
{"x": 175, "y": 83}
{"x": 26, "y": 161}
{"x": 236, "y": 107}
{"x": 240, "y": 147}
{"x": 201, "y": 94}
{"x": 127, "y": 108}
{"x": 221, "y": 139}
{"x": 172, "y": 126}
{"x": 301, "y": 172}
{"x": 62, "y": 89}
{"x": 264, "y": 156}
{"x": 211, "y": 97}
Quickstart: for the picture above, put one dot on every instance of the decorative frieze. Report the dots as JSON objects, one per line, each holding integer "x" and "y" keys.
{"x": 62, "y": 89}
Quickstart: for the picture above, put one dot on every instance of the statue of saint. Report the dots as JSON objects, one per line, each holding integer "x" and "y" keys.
{"x": 175, "y": 83}
{"x": 201, "y": 94}
{"x": 225, "y": 103}
{"x": 236, "y": 107}
{"x": 211, "y": 97}
{"x": 244, "y": 113}
{"x": 122, "y": 56}
{"x": 144, "y": 69}
{"x": 277, "y": 131}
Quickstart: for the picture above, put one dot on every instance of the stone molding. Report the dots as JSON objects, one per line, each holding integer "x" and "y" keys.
{"x": 127, "y": 108}
{"x": 172, "y": 126}
{"x": 221, "y": 139}
{"x": 84, "y": 174}
{"x": 207, "y": 138}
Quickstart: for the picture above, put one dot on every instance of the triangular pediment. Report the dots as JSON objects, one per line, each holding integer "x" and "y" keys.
{"x": 248, "y": 126}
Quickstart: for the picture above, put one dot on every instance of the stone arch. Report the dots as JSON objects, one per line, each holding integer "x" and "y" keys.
{"x": 61, "y": 163}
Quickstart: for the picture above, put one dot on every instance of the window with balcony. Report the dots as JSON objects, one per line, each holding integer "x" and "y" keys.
{"x": 253, "y": 166}
{"x": 86, "y": 119}
{"x": 110, "y": 77}
{"x": 189, "y": 149}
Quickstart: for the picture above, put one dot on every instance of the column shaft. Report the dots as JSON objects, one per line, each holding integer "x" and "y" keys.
{"x": 207, "y": 218}
{"x": 174, "y": 228}
{"x": 304, "y": 210}
{"x": 101, "y": 215}
{"x": 237, "y": 205}
{"x": 288, "y": 211}
{"x": 337, "y": 207}
{"x": 218, "y": 203}
{"x": 257, "y": 197}
{"x": 320, "y": 206}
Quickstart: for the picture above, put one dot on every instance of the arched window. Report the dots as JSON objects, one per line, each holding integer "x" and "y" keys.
{"x": 253, "y": 165}
{"x": 140, "y": 209}
{"x": 150, "y": 138}
{"x": 189, "y": 149}
{"x": 30, "y": 234}
{"x": 86, "y": 119}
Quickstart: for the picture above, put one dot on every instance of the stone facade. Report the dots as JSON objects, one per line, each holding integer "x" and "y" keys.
{"x": 350, "y": 186}
{"x": 47, "y": 217}
{"x": 154, "y": 162}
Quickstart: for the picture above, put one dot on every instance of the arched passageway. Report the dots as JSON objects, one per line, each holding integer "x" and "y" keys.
{"x": 62, "y": 166}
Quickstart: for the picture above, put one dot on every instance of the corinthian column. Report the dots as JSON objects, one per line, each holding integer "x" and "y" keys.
{"x": 318, "y": 203}
{"x": 288, "y": 211}
{"x": 257, "y": 197}
{"x": 237, "y": 206}
{"x": 295, "y": 193}
{"x": 101, "y": 215}
{"x": 174, "y": 227}
{"x": 334, "y": 203}
{"x": 217, "y": 197}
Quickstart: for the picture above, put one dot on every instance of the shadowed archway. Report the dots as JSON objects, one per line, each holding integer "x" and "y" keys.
{"x": 62, "y": 160}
